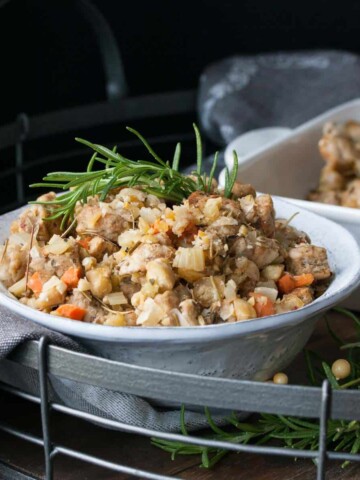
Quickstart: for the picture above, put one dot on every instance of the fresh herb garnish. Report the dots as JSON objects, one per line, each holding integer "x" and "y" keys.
{"x": 292, "y": 432}
{"x": 159, "y": 177}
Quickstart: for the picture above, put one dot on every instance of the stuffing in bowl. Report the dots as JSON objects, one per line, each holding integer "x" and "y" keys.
{"x": 140, "y": 244}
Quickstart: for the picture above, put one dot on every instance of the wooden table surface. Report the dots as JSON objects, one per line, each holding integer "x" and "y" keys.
{"x": 137, "y": 452}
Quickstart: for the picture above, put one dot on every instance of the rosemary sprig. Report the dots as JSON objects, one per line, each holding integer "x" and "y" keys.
{"x": 159, "y": 177}
{"x": 291, "y": 432}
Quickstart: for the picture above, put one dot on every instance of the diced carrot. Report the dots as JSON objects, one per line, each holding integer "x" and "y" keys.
{"x": 304, "y": 280}
{"x": 264, "y": 306}
{"x": 36, "y": 283}
{"x": 286, "y": 283}
{"x": 85, "y": 242}
{"x": 71, "y": 311}
{"x": 71, "y": 277}
{"x": 160, "y": 226}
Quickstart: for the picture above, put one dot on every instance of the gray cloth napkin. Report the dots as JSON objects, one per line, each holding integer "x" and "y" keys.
{"x": 242, "y": 93}
{"x": 95, "y": 400}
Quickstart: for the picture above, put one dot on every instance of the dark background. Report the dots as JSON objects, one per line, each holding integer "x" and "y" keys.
{"x": 49, "y": 59}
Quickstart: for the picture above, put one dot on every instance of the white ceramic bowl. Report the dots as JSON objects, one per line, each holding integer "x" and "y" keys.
{"x": 290, "y": 167}
{"x": 250, "y": 350}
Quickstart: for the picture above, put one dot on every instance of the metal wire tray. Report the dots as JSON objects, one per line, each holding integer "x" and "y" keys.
{"x": 310, "y": 402}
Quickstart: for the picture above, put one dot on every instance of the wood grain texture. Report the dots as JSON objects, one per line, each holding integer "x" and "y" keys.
{"x": 137, "y": 452}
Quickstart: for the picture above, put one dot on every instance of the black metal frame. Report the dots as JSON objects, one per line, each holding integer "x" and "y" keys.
{"x": 322, "y": 403}
{"x": 27, "y": 128}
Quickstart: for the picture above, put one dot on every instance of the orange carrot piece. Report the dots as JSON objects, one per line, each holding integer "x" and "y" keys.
{"x": 286, "y": 283}
{"x": 35, "y": 283}
{"x": 264, "y": 306}
{"x": 304, "y": 280}
{"x": 71, "y": 277}
{"x": 71, "y": 311}
{"x": 160, "y": 226}
{"x": 85, "y": 242}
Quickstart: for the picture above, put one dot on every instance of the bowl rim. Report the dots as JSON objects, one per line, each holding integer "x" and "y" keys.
{"x": 216, "y": 332}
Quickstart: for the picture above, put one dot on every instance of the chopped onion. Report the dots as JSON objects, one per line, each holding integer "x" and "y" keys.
{"x": 57, "y": 245}
{"x": 247, "y": 204}
{"x": 190, "y": 259}
{"x": 54, "y": 282}
{"x": 89, "y": 262}
{"x": 227, "y": 310}
{"x": 183, "y": 321}
{"x": 150, "y": 215}
{"x": 272, "y": 272}
{"x": 230, "y": 290}
{"x": 83, "y": 285}
{"x": 131, "y": 195}
{"x": 212, "y": 208}
{"x": 271, "y": 293}
{"x": 151, "y": 314}
{"x": 116, "y": 298}
{"x": 288, "y": 303}
{"x": 19, "y": 288}
{"x": 243, "y": 310}
{"x": 53, "y": 293}
{"x": 129, "y": 238}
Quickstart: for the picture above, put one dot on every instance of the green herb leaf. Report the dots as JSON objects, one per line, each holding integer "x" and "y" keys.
{"x": 330, "y": 376}
{"x": 230, "y": 178}
{"x": 176, "y": 159}
{"x": 182, "y": 421}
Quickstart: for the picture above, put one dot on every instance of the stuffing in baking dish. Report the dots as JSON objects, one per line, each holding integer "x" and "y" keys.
{"x": 133, "y": 255}
{"x": 339, "y": 182}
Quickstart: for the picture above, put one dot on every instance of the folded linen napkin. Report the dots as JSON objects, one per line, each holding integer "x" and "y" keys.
{"x": 95, "y": 400}
{"x": 241, "y": 93}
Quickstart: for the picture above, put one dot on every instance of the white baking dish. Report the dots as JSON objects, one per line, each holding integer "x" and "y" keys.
{"x": 290, "y": 168}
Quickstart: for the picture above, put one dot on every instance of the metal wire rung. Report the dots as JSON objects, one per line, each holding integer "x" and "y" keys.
{"x": 51, "y": 450}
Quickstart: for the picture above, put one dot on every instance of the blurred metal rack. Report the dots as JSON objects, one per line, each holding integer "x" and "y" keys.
{"x": 25, "y": 129}
{"x": 309, "y": 402}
